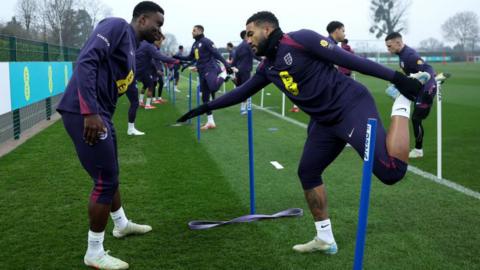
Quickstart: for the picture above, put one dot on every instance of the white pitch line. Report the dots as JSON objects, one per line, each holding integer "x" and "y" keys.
{"x": 413, "y": 169}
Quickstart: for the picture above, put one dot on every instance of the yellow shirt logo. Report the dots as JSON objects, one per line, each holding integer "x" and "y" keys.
{"x": 419, "y": 62}
{"x": 123, "y": 84}
{"x": 324, "y": 43}
{"x": 290, "y": 85}
{"x": 197, "y": 54}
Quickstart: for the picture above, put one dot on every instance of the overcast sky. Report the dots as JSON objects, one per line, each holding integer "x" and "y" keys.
{"x": 223, "y": 20}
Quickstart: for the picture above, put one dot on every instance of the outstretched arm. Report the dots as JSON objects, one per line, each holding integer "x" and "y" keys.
{"x": 322, "y": 48}
{"x": 233, "y": 97}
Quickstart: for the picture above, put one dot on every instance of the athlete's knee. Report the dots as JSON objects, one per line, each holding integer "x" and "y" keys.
{"x": 308, "y": 178}
{"x": 390, "y": 171}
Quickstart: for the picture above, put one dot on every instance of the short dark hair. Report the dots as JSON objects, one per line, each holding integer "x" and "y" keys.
{"x": 243, "y": 34}
{"x": 393, "y": 35}
{"x": 264, "y": 17}
{"x": 146, "y": 7}
{"x": 334, "y": 25}
{"x": 229, "y": 44}
{"x": 180, "y": 47}
{"x": 199, "y": 27}
{"x": 345, "y": 41}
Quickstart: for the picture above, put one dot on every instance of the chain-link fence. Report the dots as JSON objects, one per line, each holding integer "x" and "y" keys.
{"x": 14, "y": 49}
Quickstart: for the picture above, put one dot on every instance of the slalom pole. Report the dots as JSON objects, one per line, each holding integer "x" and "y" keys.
{"x": 190, "y": 95}
{"x": 250, "y": 156}
{"x": 198, "y": 104}
{"x": 368, "y": 159}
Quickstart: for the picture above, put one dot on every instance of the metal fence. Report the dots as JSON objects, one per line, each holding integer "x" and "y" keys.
{"x": 13, "y": 49}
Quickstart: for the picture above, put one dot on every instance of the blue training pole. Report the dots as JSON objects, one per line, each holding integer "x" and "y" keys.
{"x": 250, "y": 156}
{"x": 371, "y": 135}
{"x": 198, "y": 104}
{"x": 190, "y": 95}
{"x": 173, "y": 86}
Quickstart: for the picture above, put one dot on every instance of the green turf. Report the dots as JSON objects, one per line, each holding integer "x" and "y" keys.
{"x": 168, "y": 178}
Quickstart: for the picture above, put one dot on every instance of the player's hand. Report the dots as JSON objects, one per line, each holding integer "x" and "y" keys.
{"x": 195, "y": 112}
{"x": 93, "y": 128}
{"x": 235, "y": 69}
{"x": 408, "y": 87}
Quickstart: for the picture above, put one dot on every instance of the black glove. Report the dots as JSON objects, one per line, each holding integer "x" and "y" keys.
{"x": 408, "y": 87}
{"x": 195, "y": 112}
{"x": 229, "y": 70}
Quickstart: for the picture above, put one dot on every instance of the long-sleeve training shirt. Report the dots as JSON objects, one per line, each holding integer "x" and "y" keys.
{"x": 105, "y": 69}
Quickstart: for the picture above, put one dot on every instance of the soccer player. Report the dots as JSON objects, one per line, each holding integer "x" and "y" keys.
{"x": 176, "y": 69}
{"x": 105, "y": 70}
{"x": 231, "y": 52}
{"x": 336, "y": 31}
{"x": 243, "y": 62}
{"x": 346, "y": 47}
{"x": 145, "y": 54}
{"x": 211, "y": 78}
{"x": 300, "y": 64}
{"x": 411, "y": 62}
{"x": 158, "y": 75}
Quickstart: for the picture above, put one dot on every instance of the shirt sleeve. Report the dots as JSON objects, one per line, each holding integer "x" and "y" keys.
{"x": 241, "y": 93}
{"x": 211, "y": 48}
{"x": 324, "y": 49}
{"x": 99, "y": 46}
{"x": 157, "y": 55}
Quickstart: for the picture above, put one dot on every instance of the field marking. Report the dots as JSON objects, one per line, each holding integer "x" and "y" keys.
{"x": 413, "y": 169}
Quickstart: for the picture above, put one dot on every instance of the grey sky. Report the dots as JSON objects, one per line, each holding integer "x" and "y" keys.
{"x": 223, "y": 20}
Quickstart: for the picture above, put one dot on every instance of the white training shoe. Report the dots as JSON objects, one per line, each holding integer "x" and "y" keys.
{"x": 415, "y": 153}
{"x": 177, "y": 90}
{"x": 317, "y": 245}
{"x": 135, "y": 132}
{"x": 208, "y": 125}
{"x": 131, "y": 228}
{"x": 105, "y": 261}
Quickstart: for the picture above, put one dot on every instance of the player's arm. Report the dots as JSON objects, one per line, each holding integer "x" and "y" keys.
{"x": 189, "y": 57}
{"x": 322, "y": 48}
{"x": 158, "y": 56}
{"x": 237, "y": 95}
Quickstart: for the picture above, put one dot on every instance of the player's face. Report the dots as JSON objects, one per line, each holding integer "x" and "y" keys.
{"x": 257, "y": 38}
{"x": 196, "y": 32}
{"x": 340, "y": 34}
{"x": 151, "y": 26}
{"x": 393, "y": 45}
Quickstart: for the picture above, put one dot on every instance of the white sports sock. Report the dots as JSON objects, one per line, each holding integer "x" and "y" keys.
{"x": 141, "y": 97}
{"x": 324, "y": 231}
{"x": 210, "y": 119}
{"x": 119, "y": 218}
{"x": 149, "y": 101}
{"x": 95, "y": 244}
{"x": 243, "y": 106}
{"x": 401, "y": 106}
{"x": 131, "y": 126}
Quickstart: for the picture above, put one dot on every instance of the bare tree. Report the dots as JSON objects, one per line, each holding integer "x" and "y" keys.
{"x": 388, "y": 16}
{"x": 431, "y": 45}
{"x": 56, "y": 13}
{"x": 462, "y": 28}
{"x": 96, "y": 9}
{"x": 170, "y": 44}
{"x": 27, "y": 11}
